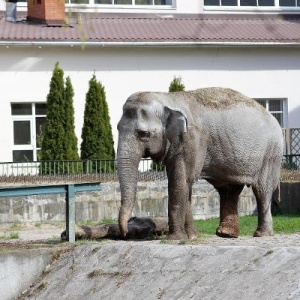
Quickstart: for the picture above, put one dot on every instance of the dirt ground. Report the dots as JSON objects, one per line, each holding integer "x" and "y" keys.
{"x": 14, "y": 236}
{"x": 207, "y": 268}
{"x": 50, "y": 233}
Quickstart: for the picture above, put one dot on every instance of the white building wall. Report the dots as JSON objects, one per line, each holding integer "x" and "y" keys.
{"x": 181, "y": 6}
{"x": 25, "y": 74}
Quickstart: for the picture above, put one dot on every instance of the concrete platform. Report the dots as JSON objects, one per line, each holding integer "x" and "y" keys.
{"x": 214, "y": 268}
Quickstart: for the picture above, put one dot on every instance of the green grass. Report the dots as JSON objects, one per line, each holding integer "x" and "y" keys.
{"x": 281, "y": 224}
{"x": 286, "y": 224}
{"x": 11, "y": 235}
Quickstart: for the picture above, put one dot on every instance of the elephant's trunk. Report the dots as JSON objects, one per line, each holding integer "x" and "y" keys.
{"x": 128, "y": 163}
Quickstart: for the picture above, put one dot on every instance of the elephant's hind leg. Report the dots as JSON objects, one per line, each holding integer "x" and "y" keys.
{"x": 229, "y": 219}
{"x": 263, "y": 195}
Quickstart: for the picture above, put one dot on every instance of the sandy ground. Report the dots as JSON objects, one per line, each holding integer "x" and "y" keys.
{"x": 208, "y": 268}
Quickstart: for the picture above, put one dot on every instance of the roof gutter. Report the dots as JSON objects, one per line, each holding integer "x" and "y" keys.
{"x": 84, "y": 44}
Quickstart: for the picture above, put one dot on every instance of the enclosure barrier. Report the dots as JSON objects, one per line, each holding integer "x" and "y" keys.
{"x": 54, "y": 172}
{"x": 291, "y": 162}
{"x": 68, "y": 189}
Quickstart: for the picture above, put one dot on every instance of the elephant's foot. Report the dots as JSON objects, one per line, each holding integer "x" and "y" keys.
{"x": 227, "y": 232}
{"x": 262, "y": 232}
{"x": 177, "y": 236}
{"x": 192, "y": 233}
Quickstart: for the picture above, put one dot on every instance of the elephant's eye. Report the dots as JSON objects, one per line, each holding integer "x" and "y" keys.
{"x": 144, "y": 114}
{"x": 130, "y": 113}
{"x": 143, "y": 133}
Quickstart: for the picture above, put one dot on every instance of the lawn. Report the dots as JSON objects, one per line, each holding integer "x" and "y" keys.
{"x": 281, "y": 224}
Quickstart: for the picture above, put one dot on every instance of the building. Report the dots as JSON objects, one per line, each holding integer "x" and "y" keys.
{"x": 252, "y": 46}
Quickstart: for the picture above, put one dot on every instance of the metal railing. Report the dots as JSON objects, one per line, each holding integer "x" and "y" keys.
{"x": 291, "y": 162}
{"x": 92, "y": 171}
{"x": 54, "y": 168}
{"x": 72, "y": 171}
{"x": 68, "y": 189}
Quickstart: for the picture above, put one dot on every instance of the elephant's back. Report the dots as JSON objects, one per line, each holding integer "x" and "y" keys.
{"x": 222, "y": 98}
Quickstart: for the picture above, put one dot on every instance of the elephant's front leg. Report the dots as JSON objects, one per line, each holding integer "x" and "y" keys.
{"x": 176, "y": 212}
{"x": 229, "y": 219}
{"x": 178, "y": 191}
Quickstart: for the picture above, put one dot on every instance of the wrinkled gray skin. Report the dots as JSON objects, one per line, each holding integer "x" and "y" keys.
{"x": 212, "y": 133}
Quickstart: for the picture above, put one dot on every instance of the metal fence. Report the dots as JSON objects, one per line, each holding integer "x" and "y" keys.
{"x": 72, "y": 171}
{"x": 97, "y": 170}
{"x": 291, "y": 162}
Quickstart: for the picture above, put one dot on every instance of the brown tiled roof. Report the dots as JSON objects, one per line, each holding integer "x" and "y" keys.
{"x": 158, "y": 29}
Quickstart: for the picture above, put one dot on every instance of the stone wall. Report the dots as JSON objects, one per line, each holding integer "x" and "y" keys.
{"x": 104, "y": 205}
{"x": 152, "y": 201}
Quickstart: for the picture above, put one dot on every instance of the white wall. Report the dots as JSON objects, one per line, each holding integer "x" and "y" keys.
{"x": 181, "y": 6}
{"x": 25, "y": 75}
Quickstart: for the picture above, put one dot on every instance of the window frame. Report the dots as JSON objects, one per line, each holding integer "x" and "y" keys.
{"x": 32, "y": 146}
{"x": 284, "y": 110}
{"x": 92, "y": 4}
{"x": 238, "y": 7}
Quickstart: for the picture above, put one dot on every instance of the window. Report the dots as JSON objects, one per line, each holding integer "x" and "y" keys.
{"x": 117, "y": 2}
{"x": 28, "y": 125}
{"x": 276, "y": 107}
{"x": 123, "y": 2}
{"x": 253, "y": 3}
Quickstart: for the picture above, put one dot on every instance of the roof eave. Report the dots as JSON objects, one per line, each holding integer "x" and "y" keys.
{"x": 147, "y": 44}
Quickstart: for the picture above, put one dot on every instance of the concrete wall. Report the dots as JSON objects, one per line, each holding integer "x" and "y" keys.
{"x": 103, "y": 205}
{"x": 19, "y": 269}
{"x": 152, "y": 201}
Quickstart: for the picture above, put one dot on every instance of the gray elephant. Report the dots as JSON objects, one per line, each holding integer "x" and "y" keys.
{"x": 212, "y": 133}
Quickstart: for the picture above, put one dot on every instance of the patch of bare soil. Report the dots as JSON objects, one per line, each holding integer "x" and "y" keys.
{"x": 29, "y": 236}
{"x": 48, "y": 235}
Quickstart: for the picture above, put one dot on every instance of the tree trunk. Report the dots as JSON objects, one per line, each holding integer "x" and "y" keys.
{"x": 138, "y": 228}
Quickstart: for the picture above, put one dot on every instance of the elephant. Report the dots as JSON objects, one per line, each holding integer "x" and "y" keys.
{"x": 214, "y": 133}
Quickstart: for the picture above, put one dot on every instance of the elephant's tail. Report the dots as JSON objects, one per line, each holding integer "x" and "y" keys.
{"x": 276, "y": 194}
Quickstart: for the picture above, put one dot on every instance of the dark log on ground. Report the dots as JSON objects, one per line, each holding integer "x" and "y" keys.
{"x": 138, "y": 228}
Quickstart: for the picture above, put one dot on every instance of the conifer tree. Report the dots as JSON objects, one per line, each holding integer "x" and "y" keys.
{"x": 53, "y": 144}
{"x": 59, "y": 141}
{"x": 97, "y": 139}
{"x": 71, "y": 148}
{"x": 176, "y": 85}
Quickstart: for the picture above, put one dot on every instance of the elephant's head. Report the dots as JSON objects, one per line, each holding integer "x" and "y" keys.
{"x": 146, "y": 129}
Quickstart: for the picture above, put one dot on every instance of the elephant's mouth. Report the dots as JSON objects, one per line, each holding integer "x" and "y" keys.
{"x": 147, "y": 153}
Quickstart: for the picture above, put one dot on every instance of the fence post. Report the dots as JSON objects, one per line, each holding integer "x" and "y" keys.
{"x": 70, "y": 213}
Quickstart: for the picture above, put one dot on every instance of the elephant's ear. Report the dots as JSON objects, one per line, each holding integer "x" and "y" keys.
{"x": 176, "y": 122}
